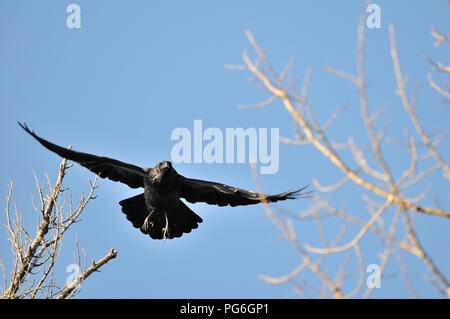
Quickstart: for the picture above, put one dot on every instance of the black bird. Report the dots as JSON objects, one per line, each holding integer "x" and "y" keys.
{"x": 158, "y": 211}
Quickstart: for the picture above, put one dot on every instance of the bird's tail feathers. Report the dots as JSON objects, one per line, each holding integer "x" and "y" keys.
{"x": 160, "y": 224}
{"x": 171, "y": 224}
{"x": 135, "y": 209}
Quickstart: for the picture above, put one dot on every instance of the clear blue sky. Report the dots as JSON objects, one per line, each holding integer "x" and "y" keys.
{"x": 136, "y": 70}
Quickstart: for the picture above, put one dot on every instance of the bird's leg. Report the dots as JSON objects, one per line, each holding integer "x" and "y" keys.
{"x": 147, "y": 223}
{"x": 166, "y": 228}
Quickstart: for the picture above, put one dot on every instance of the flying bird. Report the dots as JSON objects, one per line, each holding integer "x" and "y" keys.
{"x": 159, "y": 211}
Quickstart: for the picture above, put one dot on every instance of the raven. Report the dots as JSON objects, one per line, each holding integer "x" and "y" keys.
{"x": 158, "y": 211}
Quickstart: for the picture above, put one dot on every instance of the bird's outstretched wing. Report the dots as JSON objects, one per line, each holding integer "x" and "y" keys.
{"x": 103, "y": 166}
{"x": 195, "y": 190}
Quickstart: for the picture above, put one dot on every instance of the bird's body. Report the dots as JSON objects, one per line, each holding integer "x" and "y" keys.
{"x": 162, "y": 186}
{"x": 164, "y": 214}
{"x": 159, "y": 211}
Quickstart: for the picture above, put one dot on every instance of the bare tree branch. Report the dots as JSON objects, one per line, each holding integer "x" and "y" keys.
{"x": 35, "y": 257}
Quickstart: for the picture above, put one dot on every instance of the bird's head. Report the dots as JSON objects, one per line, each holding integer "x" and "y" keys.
{"x": 163, "y": 171}
{"x": 164, "y": 165}
{"x": 164, "y": 175}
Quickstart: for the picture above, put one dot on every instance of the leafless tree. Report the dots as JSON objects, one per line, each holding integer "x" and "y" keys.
{"x": 371, "y": 174}
{"x": 35, "y": 256}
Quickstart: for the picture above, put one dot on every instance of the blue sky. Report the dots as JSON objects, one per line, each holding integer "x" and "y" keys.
{"x": 136, "y": 70}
